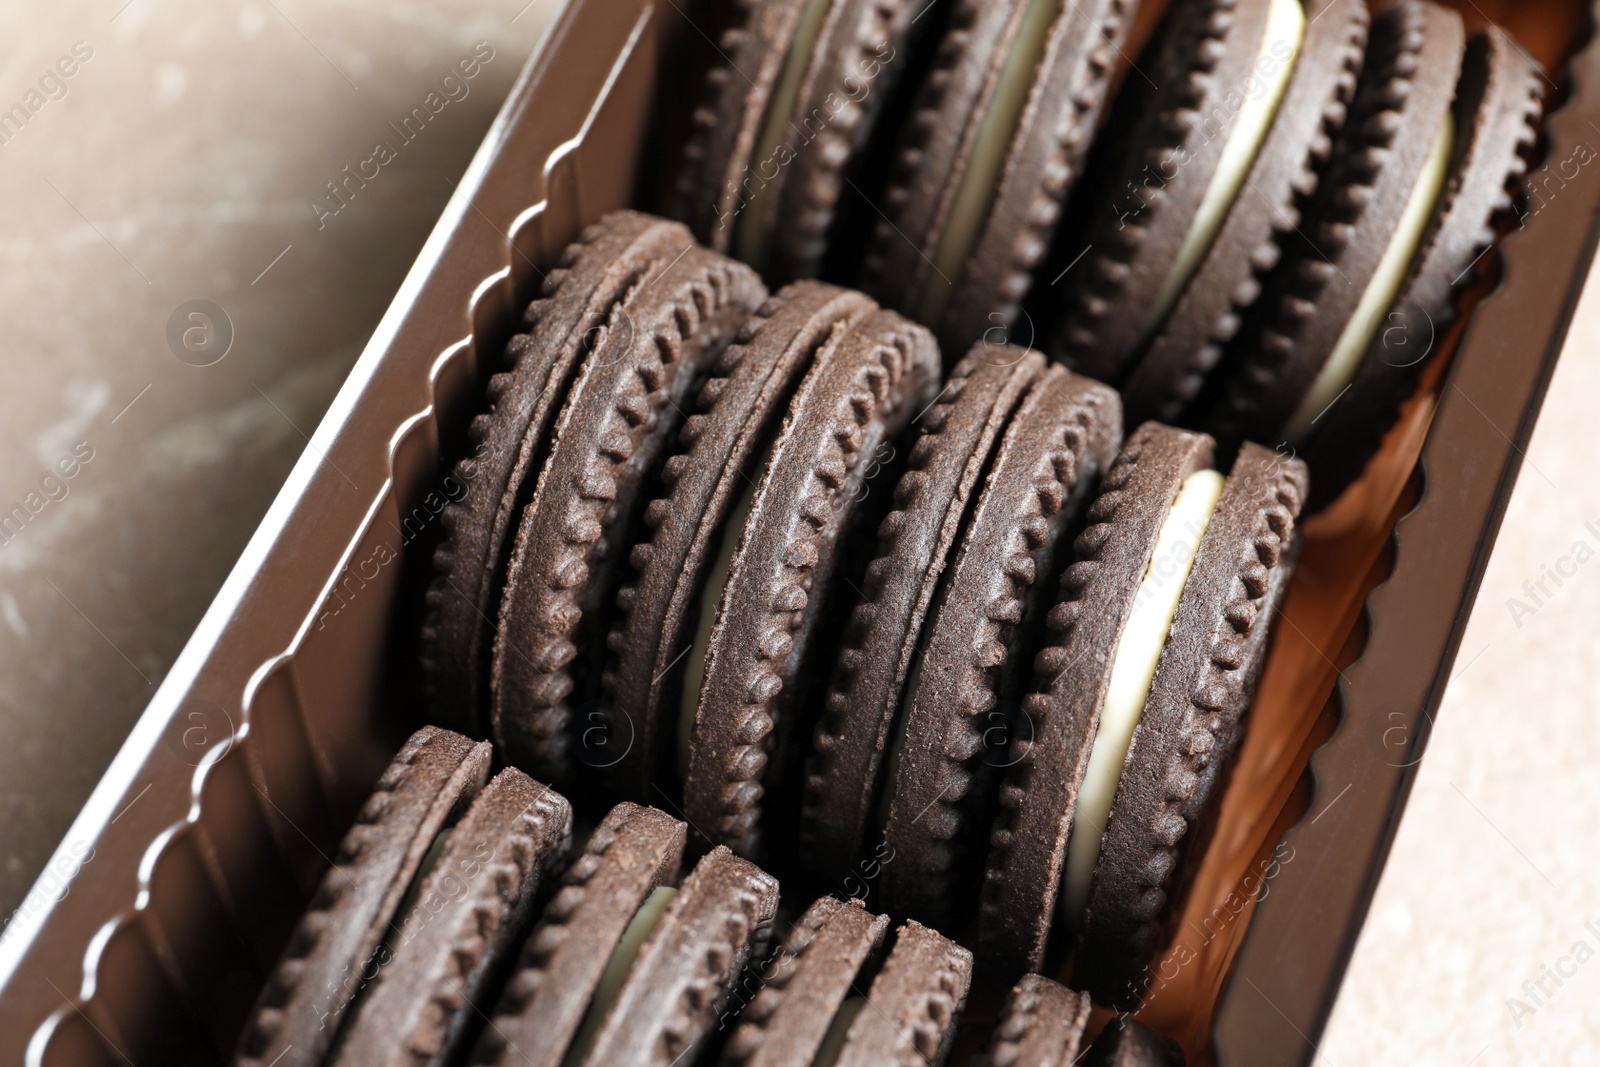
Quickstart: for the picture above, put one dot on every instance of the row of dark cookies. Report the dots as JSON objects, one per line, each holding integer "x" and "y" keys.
{"x": 663, "y": 584}
{"x": 457, "y": 924}
{"x": 1261, "y": 233}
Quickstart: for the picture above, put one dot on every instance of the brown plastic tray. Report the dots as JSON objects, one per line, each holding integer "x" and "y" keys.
{"x": 168, "y": 900}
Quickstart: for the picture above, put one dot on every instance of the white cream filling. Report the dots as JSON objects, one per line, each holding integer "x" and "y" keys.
{"x": 750, "y": 236}
{"x": 1268, "y": 80}
{"x": 976, "y": 188}
{"x": 832, "y": 1043}
{"x": 639, "y": 929}
{"x": 710, "y": 603}
{"x": 1380, "y": 293}
{"x": 1133, "y": 669}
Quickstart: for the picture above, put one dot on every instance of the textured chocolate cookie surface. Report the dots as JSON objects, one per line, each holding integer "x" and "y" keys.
{"x": 441, "y": 956}
{"x": 1038, "y": 797}
{"x": 1044, "y": 160}
{"x": 304, "y": 1000}
{"x": 1203, "y": 683}
{"x": 865, "y": 47}
{"x": 866, "y": 384}
{"x": 619, "y": 415}
{"x": 912, "y": 1005}
{"x": 972, "y": 668}
{"x": 737, "y": 414}
{"x": 712, "y": 189}
{"x": 509, "y": 445}
{"x": 958, "y": 435}
{"x": 1402, "y": 102}
{"x": 962, "y": 260}
{"x": 805, "y": 984}
{"x": 773, "y": 204}
{"x": 1041, "y": 1025}
{"x": 682, "y": 975}
{"x": 1497, "y": 109}
{"x": 1206, "y": 55}
{"x": 632, "y": 851}
{"x": 1226, "y": 285}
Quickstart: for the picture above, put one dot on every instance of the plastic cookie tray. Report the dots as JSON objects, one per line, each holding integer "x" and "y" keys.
{"x": 146, "y": 937}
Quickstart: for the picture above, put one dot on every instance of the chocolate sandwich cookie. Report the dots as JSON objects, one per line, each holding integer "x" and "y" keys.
{"x": 510, "y": 442}
{"x": 956, "y": 441}
{"x": 996, "y": 141}
{"x": 1189, "y": 137}
{"x": 428, "y": 990}
{"x": 707, "y": 483}
{"x": 959, "y": 705}
{"x": 1497, "y": 108}
{"x": 670, "y": 975}
{"x": 1396, "y": 163}
{"x": 915, "y": 1000}
{"x": 434, "y": 776}
{"x": 619, "y": 415}
{"x": 787, "y": 115}
{"x": 1389, "y": 166}
{"x": 1156, "y": 643}
{"x": 1041, "y": 1025}
{"x": 811, "y": 1009}
{"x": 1164, "y": 376}
{"x": 760, "y": 611}
{"x": 804, "y": 986}
{"x": 629, "y": 858}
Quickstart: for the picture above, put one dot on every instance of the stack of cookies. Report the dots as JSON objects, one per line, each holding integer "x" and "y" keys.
{"x": 458, "y": 924}
{"x": 1258, "y": 227}
{"x": 769, "y": 567}
{"x": 952, "y": 636}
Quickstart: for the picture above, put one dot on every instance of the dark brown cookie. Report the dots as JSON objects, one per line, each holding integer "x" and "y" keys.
{"x": 721, "y": 444}
{"x": 509, "y": 445}
{"x": 996, "y": 141}
{"x": 434, "y": 776}
{"x": 1203, "y": 683}
{"x": 960, "y": 707}
{"x": 804, "y": 985}
{"x": 1497, "y": 109}
{"x": 958, "y": 436}
{"x": 1041, "y": 1025}
{"x": 1170, "y": 372}
{"x": 865, "y": 386}
{"x": 1402, "y": 103}
{"x": 678, "y": 983}
{"x": 717, "y": 159}
{"x": 1028, "y": 852}
{"x": 1126, "y": 1042}
{"x": 1204, "y": 62}
{"x": 787, "y": 114}
{"x": 619, "y": 415}
{"x": 431, "y": 979}
{"x": 632, "y": 852}
{"x": 910, "y": 1012}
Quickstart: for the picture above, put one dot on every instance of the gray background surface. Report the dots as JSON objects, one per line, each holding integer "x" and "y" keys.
{"x": 181, "y": 164}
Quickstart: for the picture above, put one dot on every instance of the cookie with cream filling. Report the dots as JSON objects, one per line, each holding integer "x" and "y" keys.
{"x": 1156, "y": 641}
{"x": 996, "y": 141}
{"x": 1331, "y": 293}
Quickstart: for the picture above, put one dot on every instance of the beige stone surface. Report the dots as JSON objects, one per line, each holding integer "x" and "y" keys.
{"x": 180, "y": 165}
